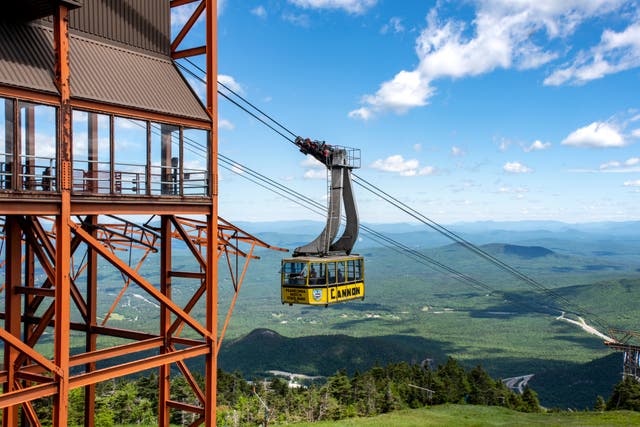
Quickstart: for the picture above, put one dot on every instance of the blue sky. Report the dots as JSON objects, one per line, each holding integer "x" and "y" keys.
{"x": 466, "y": 110}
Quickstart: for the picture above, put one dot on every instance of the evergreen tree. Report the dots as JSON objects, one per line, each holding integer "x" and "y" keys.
{"x": 482, "y": 388}
{"x": 530, "y": 400}
{"x": 453, "y": 385}
{"x": 600, "y": 404}
{"x": 626, "y": 395}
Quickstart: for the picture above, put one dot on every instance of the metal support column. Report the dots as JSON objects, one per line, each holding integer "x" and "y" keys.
{"x": 13, "y": 272}
{"x": 211, "y": 274}
{"x": 92, "y": 321}
{"x": 63, "y": 230}
{"x": 164, "y": 377}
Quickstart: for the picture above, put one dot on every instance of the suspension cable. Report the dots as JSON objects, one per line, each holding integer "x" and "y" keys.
{"x": 405, "y": 208}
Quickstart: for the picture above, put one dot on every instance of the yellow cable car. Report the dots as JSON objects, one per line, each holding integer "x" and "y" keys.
{"x": 326, "y": 280}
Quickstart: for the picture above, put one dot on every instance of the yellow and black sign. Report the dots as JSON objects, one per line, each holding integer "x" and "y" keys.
{"x": 322, "y": 295}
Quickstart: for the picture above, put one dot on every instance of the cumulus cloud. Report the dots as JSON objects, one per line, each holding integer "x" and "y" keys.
{"x": 516, "y": 167}
{"x": 408, "y": 89}
{"x": 537, "y": 146}
{"x": 502, "y": 34}
{"x": 397, "y": 164}
{"x": 315, "y": 169}
{"x": 617, "y": 51}
{"x": 596, "y": 135}
{"x": 300, "y": 20}
{"x": 231, "y": 83}
{"x": 315, "y": 174}
{"x": 259, "y": 11}
{"x": 457, "y": 151}
{"x": 629, "y": 165}
{"x": 609, "y": 165}
{"x": 393, "y": 26}
{"x": 225, "y": 124}
{"x": 351, "y": 6}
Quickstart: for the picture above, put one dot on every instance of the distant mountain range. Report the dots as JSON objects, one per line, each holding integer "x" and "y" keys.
{"x": 548, "y": 234}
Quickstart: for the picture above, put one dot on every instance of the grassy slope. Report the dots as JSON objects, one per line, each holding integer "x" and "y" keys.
{"x": 468, "y": 415}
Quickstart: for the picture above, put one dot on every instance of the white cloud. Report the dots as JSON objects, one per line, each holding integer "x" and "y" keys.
{"x": 516, "y": 167}
{"x": 501, "y": 35}
{"x": 394, "y": 25}
{"x": 616, "y": 52}
{"x": 457, "y": 151}
{"x": 635, "y": 183}
{"x": 259, "y": 11}
{"x": 625, "y": 166}
{"x": 315, "y": 174}
{"x": 408, "y": 89}
{"x": 225, "y": 124}
{"x": 397, "y": 164}
{"x": 611, "y": 164}
{"x": 315, "y": 169}
{"x": 597, "y": 135}
{"x": 537, "y": 146}
{"x": 300, "y": 20}
{"x": 351, "y": 6}
{"x": 417, "y": 148}
{"x": 230, "y": 82}
{"x": 311, "y": 162}
{"x": 512, "y": 190}
{"x": 635, "y": 133}
{"x": 181, "y": 14}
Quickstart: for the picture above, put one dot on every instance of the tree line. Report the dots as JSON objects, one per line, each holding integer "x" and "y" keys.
{"x": 373, "y": 392}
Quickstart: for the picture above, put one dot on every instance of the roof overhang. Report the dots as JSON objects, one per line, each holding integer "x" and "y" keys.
{"x": 100, "y": 73}
{"x": 29, "y": 10}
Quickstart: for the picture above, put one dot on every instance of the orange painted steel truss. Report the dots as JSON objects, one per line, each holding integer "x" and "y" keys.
{"x": 53, "y": 261}
{"x": 32, "y": 371}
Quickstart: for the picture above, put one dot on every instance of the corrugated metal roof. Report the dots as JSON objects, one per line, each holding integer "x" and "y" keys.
{"x": 99, "y": 72}
{"x": 102, "y": 72}
{"x": 26, "y": 57}
{"x": 142, "y": 24}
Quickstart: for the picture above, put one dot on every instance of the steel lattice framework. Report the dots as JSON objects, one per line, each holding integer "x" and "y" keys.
{"x": 51, "y": 244}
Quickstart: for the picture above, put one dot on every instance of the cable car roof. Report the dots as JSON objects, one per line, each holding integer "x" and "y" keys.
{"x": 322, "y": 259}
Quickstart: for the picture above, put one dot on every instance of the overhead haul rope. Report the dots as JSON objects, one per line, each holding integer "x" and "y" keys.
{"x": 405, "y": 208}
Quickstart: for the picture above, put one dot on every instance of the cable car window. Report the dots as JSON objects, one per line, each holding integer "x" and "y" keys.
{"x": 295, "y": 273}
{"x": 331, "y": 267}
{"x": 355, "y": 269}
{"x": 340, "y": 275}
{"x": 317, "y": 274}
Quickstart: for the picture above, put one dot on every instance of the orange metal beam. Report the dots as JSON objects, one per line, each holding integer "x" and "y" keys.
{"x": 140, "y": 206}
{"x": 235, "y": 297}
{"x": 136, "y": 366}
{"x": 24, "y": 348}
{"x": 176, "y": 3}
{"x": 121, "y": 350}
{"x": 185, "y": 407}
{"x": 211, "y": 360}
{"x": 17, "y": 397}
{"x": 11, "y": 331}
{"x": 63, "y": 233}
{"x": 185, "y": 53}
{"x": 142, "y": 282}
{"x": 187, "y": 26}
{"x": 29, "y": 95}
{"x": 132, "y": 113}
{"x": 164, "y": 377}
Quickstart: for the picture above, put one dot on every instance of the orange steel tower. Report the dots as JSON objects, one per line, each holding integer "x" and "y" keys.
{"x": 97, "y": 126}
